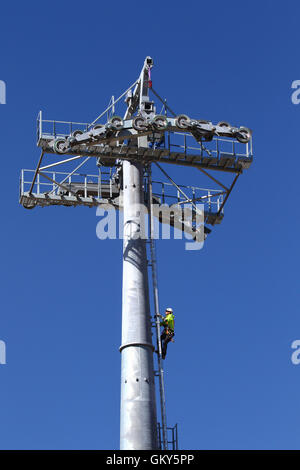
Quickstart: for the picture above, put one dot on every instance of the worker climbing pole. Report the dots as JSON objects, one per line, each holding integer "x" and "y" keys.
{"x": 168, "y": 331}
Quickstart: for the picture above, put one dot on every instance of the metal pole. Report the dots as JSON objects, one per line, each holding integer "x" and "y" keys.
{"x": 138, "y": 423}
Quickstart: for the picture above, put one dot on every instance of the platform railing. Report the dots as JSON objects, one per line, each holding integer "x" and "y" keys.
{"x": 58, "y": 183}
{"x": 168, "y": 194}
{"x": 186, "y": 143}
{"x": 52, "y": 129}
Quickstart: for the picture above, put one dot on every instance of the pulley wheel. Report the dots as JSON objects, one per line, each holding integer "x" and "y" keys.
{"x": 243, "y": 135}
{"x": 139, "y": 123}
{"x": 160, "y": 122}
{"x": 59, "y": 146}
{"x": 182, "y": 121}
{"x": 223, "y": 124}
{"x": 117, "y": 123}
{"x": 77, "y": 132}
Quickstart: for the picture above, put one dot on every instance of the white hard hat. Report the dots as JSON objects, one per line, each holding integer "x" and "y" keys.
{"x": 169, "y": 309}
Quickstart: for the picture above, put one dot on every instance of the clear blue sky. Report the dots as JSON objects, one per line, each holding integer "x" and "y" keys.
{"x": 230, "y": 382}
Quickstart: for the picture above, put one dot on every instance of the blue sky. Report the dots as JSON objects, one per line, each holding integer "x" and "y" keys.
{"x": 230, "y": 382}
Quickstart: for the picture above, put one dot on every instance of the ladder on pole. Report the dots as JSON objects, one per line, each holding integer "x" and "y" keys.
{"x": 157, "y": 321}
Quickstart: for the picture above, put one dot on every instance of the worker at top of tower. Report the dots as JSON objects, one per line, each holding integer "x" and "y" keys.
{"x": 168, "y": 331}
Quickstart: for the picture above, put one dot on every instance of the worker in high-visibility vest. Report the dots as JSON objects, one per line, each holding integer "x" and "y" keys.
{"x": 168, "y": 331}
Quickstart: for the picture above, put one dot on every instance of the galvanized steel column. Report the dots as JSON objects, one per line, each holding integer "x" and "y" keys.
{"x": 138, "y": 427}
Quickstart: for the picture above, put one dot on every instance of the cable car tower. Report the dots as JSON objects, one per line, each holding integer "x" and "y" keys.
{"x": 122, "y": 151}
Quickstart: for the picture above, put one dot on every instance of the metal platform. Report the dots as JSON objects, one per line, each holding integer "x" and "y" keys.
{"x": 180, "y": 148}
{"x": 62, "y": 189}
